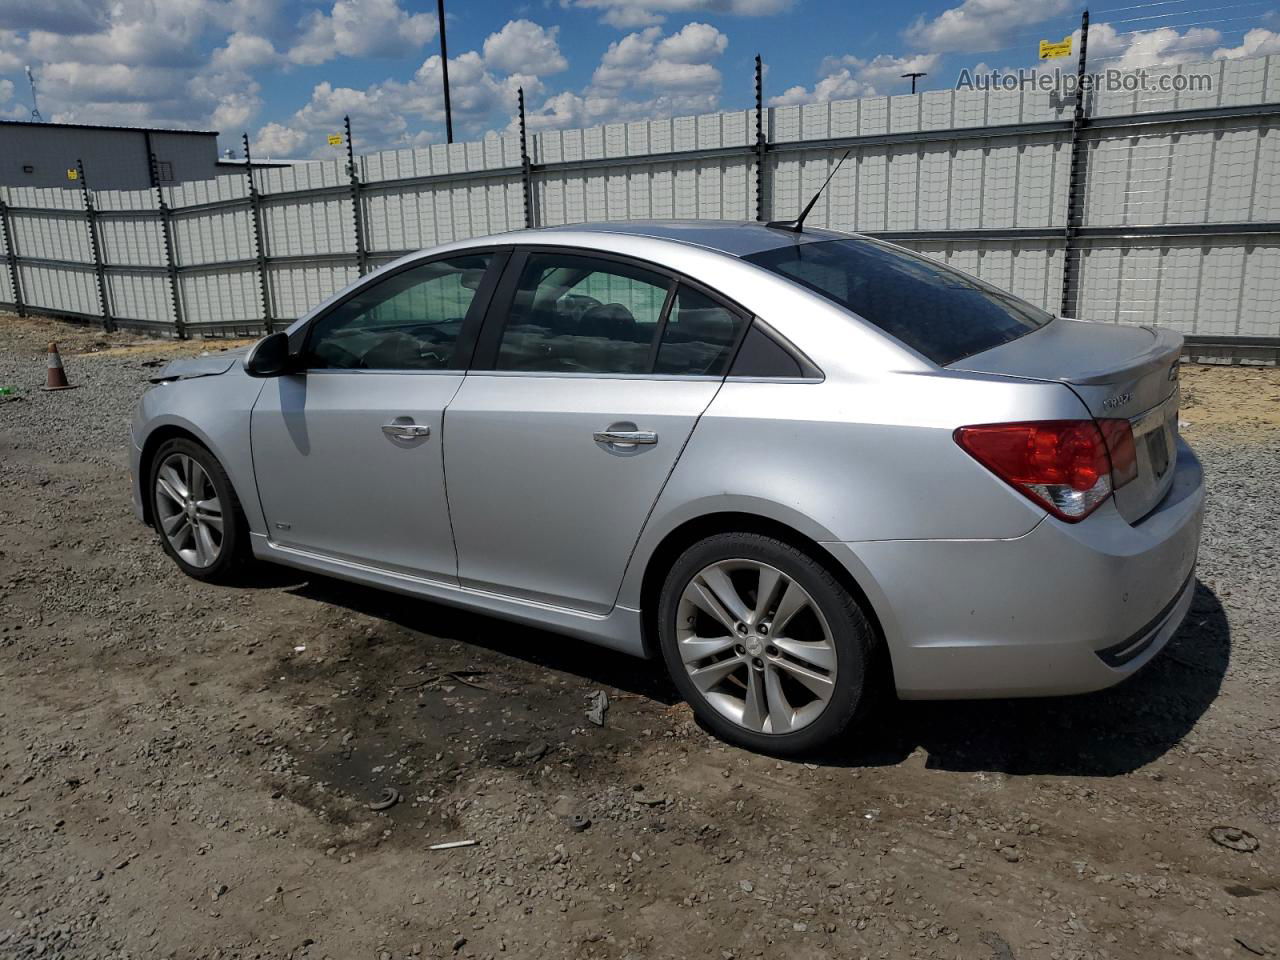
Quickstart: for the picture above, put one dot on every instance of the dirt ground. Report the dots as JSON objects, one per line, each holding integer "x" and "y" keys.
{"x": 186, "y": 770}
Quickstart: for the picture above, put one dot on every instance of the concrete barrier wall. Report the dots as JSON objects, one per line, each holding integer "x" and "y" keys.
{"x": 1176, "y": 203}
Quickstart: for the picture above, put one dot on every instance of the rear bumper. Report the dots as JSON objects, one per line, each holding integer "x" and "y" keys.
{"x": 1066, "y": 608}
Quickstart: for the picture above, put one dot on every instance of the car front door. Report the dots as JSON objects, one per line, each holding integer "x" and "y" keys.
{"x": 590, "y": 375}
{"x": 347, "y": 452}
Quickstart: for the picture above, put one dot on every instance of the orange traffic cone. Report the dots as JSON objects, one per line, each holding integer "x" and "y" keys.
{"x": 57, "y": 378}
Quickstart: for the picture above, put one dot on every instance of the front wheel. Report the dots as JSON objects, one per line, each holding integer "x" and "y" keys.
{"x": 768, "y": 648}
{"x": 196, "y": 512}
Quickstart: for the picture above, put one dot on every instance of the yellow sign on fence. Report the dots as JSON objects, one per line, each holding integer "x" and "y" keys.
{"x": 73, "y": 173}
{"x": 335, "y": 139}
{"x": 1052, "y": 51}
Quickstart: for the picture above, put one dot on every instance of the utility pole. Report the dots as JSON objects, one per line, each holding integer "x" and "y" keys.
{"x": 35, "y": 106}
{"x": 762, "y": 144}
{"x": 444, "y": 68}
{"x": 1077, "y": 182}
{"x": 913, "y": 77}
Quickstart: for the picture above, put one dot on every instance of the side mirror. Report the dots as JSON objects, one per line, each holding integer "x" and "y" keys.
{"x": 269, "y": 357}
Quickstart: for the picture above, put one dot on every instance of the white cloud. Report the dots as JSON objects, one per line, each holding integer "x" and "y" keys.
{"x": 694, "y": 43}
{"x": 137, "y": 33}
{"x": 884, "y": 69}
{"x": 145, "y": 64}
{"x": 395, "y": 113}
{"x": 10, "y": 62}
{"x": 57, "y": 16}
{"x": 234, "y": 111}
{"x": 1110, "y": 49}
{"x": 377, "y": 116}
{"x": 1258, "y": 42}
{"x": 840, "y": 85}
{"x": 69, "y": 82}
{"x": 630, "y": 18}
{"x": 648, "y": 60}
{"x": 524, "y": 47}
{"x": 277, "y": 140}
{"x": 6, "y": 91}
{"x": 244, "y": 51}
{"x": 261, "y": 17}
{"x": 362, "y": 28}
{"x": 848, "y": 76}
{"x": 978, "y": 25}
{"x": 643, "y": 75}
{"x": 474, "y": 92}
{"x": 630, "y": 14}
{"x": 392, "y": 114}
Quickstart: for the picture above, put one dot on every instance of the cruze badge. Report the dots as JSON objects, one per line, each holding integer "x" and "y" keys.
{"x": 1119, "y": 400}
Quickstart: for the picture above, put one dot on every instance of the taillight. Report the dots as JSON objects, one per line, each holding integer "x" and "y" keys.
{"x": 1118, "y": 435}
{"x": 1062, "y": 465}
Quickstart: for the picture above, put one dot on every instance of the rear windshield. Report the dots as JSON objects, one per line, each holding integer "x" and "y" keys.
{"x": 937, "y": 311}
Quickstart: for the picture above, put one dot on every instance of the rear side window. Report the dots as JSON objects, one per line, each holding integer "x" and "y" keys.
{"x": 575, "y": 314}
{"x": 938, "y": 312}
{"x": 699, "y": 336}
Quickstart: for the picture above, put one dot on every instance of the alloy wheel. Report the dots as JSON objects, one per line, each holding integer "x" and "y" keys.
{"x": 189, "y": 510}
{"x": 756, "y": 645}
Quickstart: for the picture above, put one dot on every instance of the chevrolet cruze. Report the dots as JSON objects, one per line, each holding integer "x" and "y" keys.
{"x": 773, "y": 457}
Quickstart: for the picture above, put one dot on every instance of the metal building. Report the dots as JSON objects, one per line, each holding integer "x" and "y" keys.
{"x": 114, "y": 158}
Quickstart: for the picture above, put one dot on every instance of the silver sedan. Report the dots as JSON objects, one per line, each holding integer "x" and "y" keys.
{"x": 793, "y": 465}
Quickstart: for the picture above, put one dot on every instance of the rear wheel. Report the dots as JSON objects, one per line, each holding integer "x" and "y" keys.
{"x": 196, "y": 512}
{"x": 768, "y": 648}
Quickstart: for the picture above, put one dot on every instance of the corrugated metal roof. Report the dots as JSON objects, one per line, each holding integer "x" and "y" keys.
{"x": 103, "y": 126}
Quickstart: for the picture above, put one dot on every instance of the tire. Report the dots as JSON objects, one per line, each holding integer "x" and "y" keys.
{"x": 828, "y": 644}
{"x": 230, "y": 546}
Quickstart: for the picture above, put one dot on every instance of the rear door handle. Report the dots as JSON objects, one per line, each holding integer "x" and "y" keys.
{"x": 626, "y": 436}
{"x": 406, "y": 431}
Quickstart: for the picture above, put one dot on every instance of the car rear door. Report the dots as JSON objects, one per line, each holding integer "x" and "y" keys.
{"x": 347, "y": 452}
{"x": 589, "y": 378}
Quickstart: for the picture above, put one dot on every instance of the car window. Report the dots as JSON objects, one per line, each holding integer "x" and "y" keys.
{"x": 699, "y": 337}
{"x": 575, "y": 314}
{"x": 937, "y": 311}
{"x": 409, "y": 321}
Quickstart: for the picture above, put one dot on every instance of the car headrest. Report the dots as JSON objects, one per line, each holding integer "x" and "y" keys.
{"x": 611, "y": 320}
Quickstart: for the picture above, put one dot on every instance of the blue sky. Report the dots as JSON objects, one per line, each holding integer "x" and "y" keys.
{"x": 287, "y": 71}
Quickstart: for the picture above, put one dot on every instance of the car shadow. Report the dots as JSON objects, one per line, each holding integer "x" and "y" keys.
{"x": 1108, "y": 733}
{"x": 542, "y": 649}
{"x": 1103, "y": 734}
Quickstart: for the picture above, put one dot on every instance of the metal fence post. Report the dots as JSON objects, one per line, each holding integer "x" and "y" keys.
{"x": 255, "y": 203}
{"x": 166, "y": 227}
{"x": 526, "y": 169}
{"x": 11, "y": 257}
{"x": 762, "y": 142}
{"x": 91, "y": 221}
{"x": 357, "y": 215}
{"x": 1077, "y": 187}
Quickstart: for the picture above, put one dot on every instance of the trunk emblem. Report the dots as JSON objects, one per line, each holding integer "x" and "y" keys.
{"x": 1119, "y": 400}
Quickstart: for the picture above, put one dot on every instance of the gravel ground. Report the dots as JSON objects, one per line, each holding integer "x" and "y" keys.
{"x": 186, "y": 770}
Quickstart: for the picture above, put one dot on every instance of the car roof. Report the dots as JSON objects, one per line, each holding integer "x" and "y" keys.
{"x": 739, "y": 238}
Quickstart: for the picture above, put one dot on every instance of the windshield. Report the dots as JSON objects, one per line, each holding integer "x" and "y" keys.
{"x": 937, "y": 311}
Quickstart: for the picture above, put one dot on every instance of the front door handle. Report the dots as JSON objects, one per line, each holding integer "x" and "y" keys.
{"x": 626, "y": 436}
{"x": 406, "y": 431}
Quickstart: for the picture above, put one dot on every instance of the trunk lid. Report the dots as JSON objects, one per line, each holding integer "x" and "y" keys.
{"x": 1118, "y": 372}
